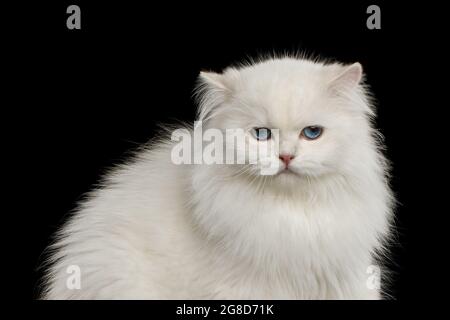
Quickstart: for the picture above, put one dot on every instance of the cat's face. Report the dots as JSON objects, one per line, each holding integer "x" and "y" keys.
{"x": 311, "y": 116}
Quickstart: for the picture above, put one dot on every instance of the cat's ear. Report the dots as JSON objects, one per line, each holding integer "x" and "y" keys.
{"x": 348, "y": 77}
{"x": 213, "y": 80}
{"x": 220, "y": 81}
{"x": 213, "y": 90}
{"x": 346, "y": 80}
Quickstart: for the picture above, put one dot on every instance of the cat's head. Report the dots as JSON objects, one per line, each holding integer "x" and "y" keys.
{"x": 315, "y": 117}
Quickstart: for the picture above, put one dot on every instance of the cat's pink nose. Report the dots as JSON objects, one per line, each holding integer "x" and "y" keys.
{"x": 286, "y": 158}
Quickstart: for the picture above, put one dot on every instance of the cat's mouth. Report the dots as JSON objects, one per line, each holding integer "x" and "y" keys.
{"x": 287, "y": 170}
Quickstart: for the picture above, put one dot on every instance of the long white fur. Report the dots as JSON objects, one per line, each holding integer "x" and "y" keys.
{"x": 155, "y": 230}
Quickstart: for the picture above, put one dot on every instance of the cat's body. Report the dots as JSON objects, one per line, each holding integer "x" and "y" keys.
{"x": 157, "y": 230}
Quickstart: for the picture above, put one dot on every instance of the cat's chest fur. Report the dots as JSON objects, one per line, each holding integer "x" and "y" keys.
{"x": 281, "y": 247}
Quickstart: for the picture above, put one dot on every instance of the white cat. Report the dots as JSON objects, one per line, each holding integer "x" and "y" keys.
{"x": 157, "y": 230}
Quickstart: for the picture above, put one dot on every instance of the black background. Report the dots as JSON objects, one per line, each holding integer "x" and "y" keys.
{"x": 87, "y": 97}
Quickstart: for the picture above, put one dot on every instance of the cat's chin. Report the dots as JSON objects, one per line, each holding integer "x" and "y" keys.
{"x": 286, "y": 176}
{"x": 287, "y": 171}
{"x": 290, "y": 175}
{"x": 294, "y": 177}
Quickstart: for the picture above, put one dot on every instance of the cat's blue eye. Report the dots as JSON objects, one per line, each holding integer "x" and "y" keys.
{"x": 262, "y": 134}
{"x": 312, "y": 132}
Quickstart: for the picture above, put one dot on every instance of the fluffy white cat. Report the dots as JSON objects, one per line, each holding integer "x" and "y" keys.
{"x": 157, "y": 230}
